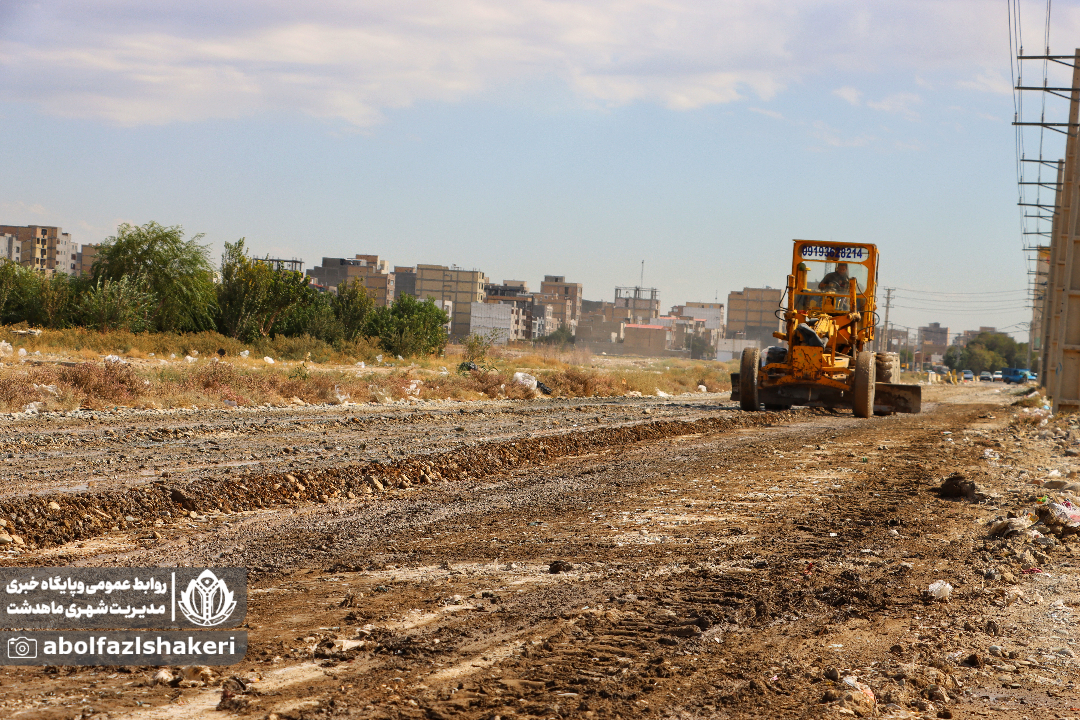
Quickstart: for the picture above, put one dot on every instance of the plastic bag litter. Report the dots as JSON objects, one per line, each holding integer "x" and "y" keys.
{"x": 268, "y": 360}
{"x": 661, "y": 393}
{"x": 702, "y": 388}
{"x": 378, "y": 358}
{"x": 244, "y": 353}
{"x": 940, "y": 590}
{"x": 1064, "y": 515}
{"x": 1010, "y": 526}
{"x": 22, "y": 352}
{"x": 115, "y": 359}
{"x": 525, "y": 379}
{"x": 190, "y": 359}
{"x": 6, "y": 349}
{"x": 853, "y": 682}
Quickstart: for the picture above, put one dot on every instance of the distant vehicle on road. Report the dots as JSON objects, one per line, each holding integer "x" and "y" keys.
{"x": 1016, "y": 375}
{"x": 986, "y": 376}
{"x": 997, "y": 376}
{"x": 969, "y": 376}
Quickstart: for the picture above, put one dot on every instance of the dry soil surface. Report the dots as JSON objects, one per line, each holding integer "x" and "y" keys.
{"x": 672, "y": 558}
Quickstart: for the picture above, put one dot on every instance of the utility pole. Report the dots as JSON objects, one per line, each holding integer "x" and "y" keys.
{"x": 1061, "y": 371}
{"x": 885, "y": 330}
{"x": 641, "y": 282}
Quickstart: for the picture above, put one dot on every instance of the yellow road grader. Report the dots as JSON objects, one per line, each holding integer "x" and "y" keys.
{"x": 829, "y": 320}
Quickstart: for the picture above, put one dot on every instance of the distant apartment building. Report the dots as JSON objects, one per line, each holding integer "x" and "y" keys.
{"x": 369, "y": 269}
{"x": 44, "y": 248}
{"x": 564, "y": 299}
{"x": 10, "y": 248}
{"x": 712, "y": 313}
{"x": 404, "y": 281}
{"x": 461, "y": 287}
{"x": 536, "y": 316}
{"x": 639, "y": 303}
{"x": 933, "y": 342}
{"x": 87, "y": 256}
{"x": 504, "y": 321}
{"x": 751, "y": 314}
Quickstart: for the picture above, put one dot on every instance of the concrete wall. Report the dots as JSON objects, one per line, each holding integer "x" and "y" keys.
{"x": 645, "y": 339}
{"x": 505, "y": 320}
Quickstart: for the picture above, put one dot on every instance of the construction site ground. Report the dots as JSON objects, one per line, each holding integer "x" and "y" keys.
{"x": 587, "y": 558}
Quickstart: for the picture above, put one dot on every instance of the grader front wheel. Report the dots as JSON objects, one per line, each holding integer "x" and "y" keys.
{"x": 748, "y": 379}
{"x": 863, "y": 400}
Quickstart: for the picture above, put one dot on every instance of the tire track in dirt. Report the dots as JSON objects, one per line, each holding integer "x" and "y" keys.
{"x": 57, "y": 518}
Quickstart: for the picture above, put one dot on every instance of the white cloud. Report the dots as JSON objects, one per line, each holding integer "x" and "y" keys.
{"x": 835, "y": 138}
{"x": 992, "y": 81}
{"x": 768, "y": 113}
{"x": 848, "y": 93}
{"x": 23, "y": 213}
{"x": 146, "y": 61}
{"x": 900, "y": 103}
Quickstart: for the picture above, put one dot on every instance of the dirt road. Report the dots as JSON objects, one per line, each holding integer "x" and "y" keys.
{"x": 630, "y": 558}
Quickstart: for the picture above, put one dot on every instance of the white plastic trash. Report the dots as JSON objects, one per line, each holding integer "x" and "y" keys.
{"x": 525, "y": 379}
{"x": 190, "y": 359}
{"x": 6, "y": 349}
{"x": 268, "y": 360}
{"x": 244, "y": 353}
{"x": 940, "y": 590}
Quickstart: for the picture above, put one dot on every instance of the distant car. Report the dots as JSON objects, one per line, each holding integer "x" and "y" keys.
{"x": 1015, "y": 375}
{"x": 997, "y": 376}
{"x": 969, "y": 376}
{"x": 985, "y": 376}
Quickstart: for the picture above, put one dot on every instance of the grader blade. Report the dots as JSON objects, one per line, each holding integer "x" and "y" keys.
{"x": 897, "y": 398}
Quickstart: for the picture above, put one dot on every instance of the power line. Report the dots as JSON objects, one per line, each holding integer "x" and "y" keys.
{"x": 945, "y": 292}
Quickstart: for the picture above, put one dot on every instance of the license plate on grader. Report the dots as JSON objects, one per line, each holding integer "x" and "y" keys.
{"x": 829, "y": 321}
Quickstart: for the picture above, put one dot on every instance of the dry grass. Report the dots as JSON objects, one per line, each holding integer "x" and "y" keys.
{"x": 87, "y": 344}
{"x": 328, "y": 375}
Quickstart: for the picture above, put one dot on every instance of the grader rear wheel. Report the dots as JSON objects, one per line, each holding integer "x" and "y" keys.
{"x": 748, "y": 379}
{"x": 863, "y": 401}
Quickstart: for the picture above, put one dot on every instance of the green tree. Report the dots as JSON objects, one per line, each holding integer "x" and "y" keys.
{"x": 175, "y": 271}
{"x": 47, "y": 300}
{"x": 993, "y": 351}
{"x": 123, "y": 304}
{"x": 954, "y": 357}
{"x": 14, "y": 282}
{"x": 312, "y": 314}
{"x": 562, "y": 336}
{"x": 409, "y": 327}
{"x": 352, "y": 305}
{"x": 699, "y": 348}
{"x": 254, "y": 295}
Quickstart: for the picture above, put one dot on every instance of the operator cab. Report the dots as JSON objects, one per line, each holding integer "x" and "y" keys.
{"x": 825, "y": 274}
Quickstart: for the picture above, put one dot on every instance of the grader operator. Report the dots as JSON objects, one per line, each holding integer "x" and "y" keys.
{"x": 829, "y": 320}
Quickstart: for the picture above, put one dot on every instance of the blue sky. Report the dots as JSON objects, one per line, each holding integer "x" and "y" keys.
{"x": 532, "y": 138}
